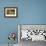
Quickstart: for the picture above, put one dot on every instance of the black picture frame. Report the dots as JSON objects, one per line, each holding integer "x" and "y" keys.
{"x": 9, "y": 15}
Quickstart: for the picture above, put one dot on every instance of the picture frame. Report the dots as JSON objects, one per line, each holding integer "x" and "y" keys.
{"x": 10, "y": 12}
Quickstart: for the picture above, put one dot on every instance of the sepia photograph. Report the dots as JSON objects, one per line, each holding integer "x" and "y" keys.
{"x": 11, "y": 12}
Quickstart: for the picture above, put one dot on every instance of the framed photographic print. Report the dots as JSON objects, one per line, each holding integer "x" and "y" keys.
{"x": 11, "y": 12}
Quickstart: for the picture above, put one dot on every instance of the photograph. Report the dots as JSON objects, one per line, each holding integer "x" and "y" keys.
{"x": 11, "y": 12}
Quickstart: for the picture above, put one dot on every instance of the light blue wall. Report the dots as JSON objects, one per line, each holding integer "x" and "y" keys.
{"x": 29, "y": 12}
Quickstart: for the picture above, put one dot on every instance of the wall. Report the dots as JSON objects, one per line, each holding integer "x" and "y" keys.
{"x": 29, "y": 12}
